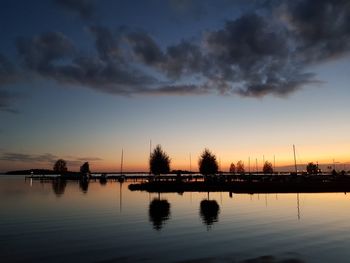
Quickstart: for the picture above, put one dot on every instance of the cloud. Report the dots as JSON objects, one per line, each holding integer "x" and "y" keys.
{"x": 84, "y": 8}
{"x": 89, "y": 159}
{"x": 6, "y": 102}
{"x": 178, "y": 90}
{"x": 260, "y": 53}
{"x": 53, "y": 55}
{"x": 43, "y": 158}
{"x": 322, "y": 30}
{"x": 20, "y": 157}
{"x": 8, "y": 73}
{"x": 106, "y": 43}
{"x": 41, "y": 53}
{"x": 145, "y": 48}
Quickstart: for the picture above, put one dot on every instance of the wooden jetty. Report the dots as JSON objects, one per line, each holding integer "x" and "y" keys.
{"x": 248, "y": 183}
{"x": 117, "y": 177}
{"x": 251, "y": 184}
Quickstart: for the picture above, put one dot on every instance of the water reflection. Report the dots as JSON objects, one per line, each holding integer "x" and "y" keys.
{"x": 84, "y": 185}
{"x": 103, "y": 179}
{"x": 159, "y": 213}
{"x": 59, "y": 186}
{"x": 209, "y": 212}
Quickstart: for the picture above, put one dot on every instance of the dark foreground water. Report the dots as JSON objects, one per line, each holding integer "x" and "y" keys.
{"x": 72, "y": 222}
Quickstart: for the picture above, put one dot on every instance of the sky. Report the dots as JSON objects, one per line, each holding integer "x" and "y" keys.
{"x": 83, "y": 79}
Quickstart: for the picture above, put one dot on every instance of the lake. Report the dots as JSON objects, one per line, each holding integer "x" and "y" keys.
{"x": 73, "y": 222}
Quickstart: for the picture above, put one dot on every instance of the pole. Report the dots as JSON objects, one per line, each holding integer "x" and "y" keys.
{"x": 274, "y": 163}
{"x": 150, "y": 153}
{"x": 256, "y": 165}
{"x": 295, "y": 160}
{"x": 121, "y": 163}
{"x": 249, "y": 164}
{"x": 190, "y": 164}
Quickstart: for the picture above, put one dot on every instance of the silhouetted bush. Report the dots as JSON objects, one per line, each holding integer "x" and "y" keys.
{"x": 232, "y": 168}
{"x": 208, "y": 164}
{"x": 159, "y": 212}
{"x": 159, "y": 161}
{"x": 267, "y": 169}
{"x": 312, "y": 168}
{"x": 240, "y": 167}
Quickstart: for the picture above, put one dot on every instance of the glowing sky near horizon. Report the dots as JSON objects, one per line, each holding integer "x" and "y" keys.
{"x": 49, "y": 110}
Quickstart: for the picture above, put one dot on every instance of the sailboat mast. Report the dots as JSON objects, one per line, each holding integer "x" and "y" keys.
{"x": 249, "y": 164}
{"x": 121, "y": 163}
{"x": 190, "y": 164}
{"x": 150, "y": 153}
{"x": 295, "y": 160}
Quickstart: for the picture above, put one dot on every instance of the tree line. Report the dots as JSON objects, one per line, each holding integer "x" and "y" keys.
{"x": 207, "y": 163}
{"x": 159, "y": 163}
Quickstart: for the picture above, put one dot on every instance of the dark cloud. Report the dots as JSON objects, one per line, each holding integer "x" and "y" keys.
{"x": 20, "y": 157}
{"x": 184, "y": 59}
{"x": 260, "y": 53}
{"x": 107, "y": 44}
{"x": 84, "y": 8}
{"x": 178, "y": 90}
{"x": 8, "y": 73}
{"x": 6, "y": 102}
{"x": 89, "y": 159}
{"x": 322, "y": 30}
{"x": 145, "y": 48}
{"x": 253, "y": 55}
{"x": 43, "y": 158}
{"x": 46, "y": 53}
{"x": 53, "y": 55}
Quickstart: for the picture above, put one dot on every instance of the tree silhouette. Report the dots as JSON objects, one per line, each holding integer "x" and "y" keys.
{"x": 159, "y": 212}
{"x": 60, "y": 166}
{"x": 85, "y": 168}
{"x": 240, "y": 167}
{"x": 159, "y": 161}
{"x": 209, "y": 211}
{"x": 267, "y": 169}
{"x": 312, "y": 168}
{"x": 208, "y": 163}
{"x": 232, "y": 168}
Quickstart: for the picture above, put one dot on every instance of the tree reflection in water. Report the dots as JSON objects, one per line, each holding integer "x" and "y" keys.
{"x": 84, "y": 185}
{"x": 159, "y": 212}
{"x": 59, "y": 186}
{"x": 209, "y": 212}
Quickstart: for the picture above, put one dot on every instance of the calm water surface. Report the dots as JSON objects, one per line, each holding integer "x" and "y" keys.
{"x": 45, "y": 222}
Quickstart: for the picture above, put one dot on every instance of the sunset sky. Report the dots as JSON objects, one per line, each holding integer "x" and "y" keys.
{"x": 82, "y": 79}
